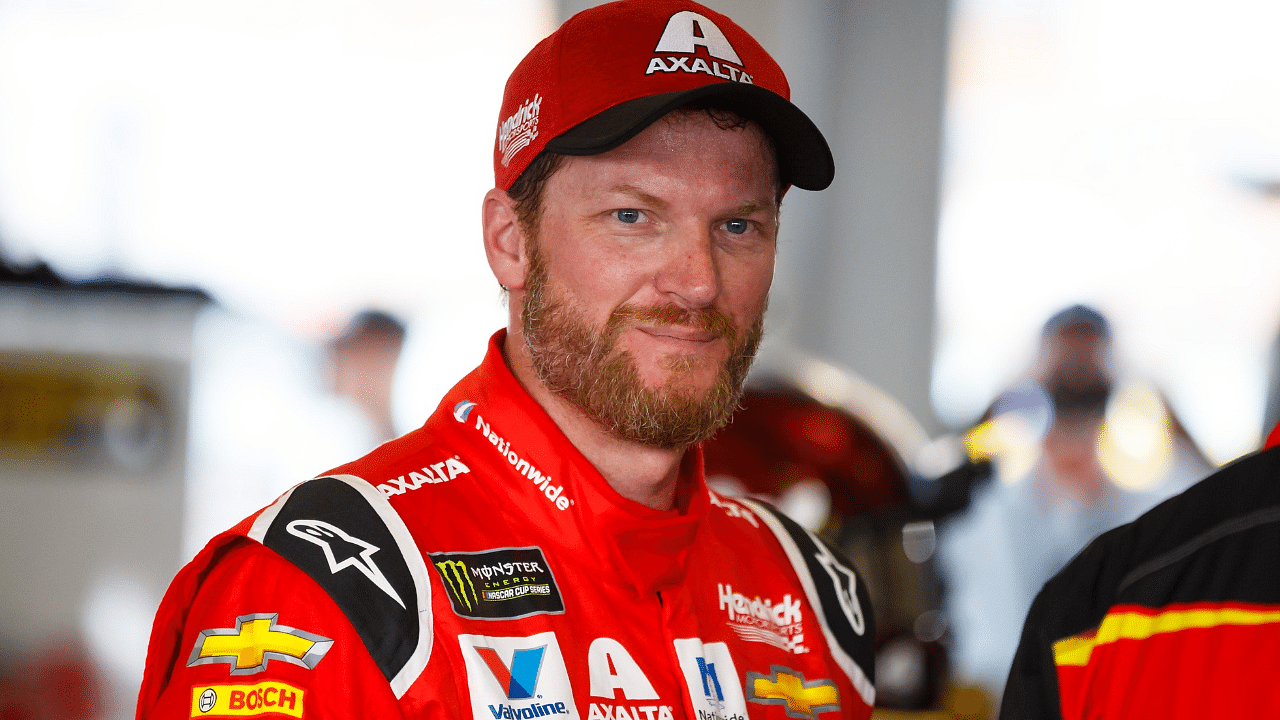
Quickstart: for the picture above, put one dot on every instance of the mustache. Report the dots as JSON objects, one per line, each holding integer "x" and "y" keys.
{"x": 709, "y": 319}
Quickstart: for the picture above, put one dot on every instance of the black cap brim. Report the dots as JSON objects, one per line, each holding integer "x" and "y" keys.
{"x": 804, "y": 158}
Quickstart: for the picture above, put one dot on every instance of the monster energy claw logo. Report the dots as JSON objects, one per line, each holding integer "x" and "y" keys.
{"x": 499, "y": 584}
{"x": 458, "y": 580}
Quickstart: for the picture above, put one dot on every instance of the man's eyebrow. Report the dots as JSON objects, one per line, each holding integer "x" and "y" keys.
{"x": 753, "y": 207}
{"x": 639, "y": 194}
{"x": 744, "y": 209}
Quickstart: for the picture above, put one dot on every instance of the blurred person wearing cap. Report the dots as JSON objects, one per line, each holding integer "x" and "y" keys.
{"x": 546, "y": 545}
{"x": 1084, "y": 450}
{"x": 363, "y": 359}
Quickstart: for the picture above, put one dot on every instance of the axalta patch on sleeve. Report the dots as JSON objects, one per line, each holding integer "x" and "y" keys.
{"x": 342, "y": 532}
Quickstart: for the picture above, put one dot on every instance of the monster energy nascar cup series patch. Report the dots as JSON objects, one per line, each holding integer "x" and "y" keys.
{"x": 499, "y": 584}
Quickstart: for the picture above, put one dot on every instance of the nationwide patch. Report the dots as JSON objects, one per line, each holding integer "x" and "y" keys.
{"x": 499, "y": 584}
{"x": 246, "y": 700}
{"x": 254, "y": 641}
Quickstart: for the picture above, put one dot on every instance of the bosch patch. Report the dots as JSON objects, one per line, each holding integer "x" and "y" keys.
{"x": 261, "y": 698}
{"x": 499, "y": 584}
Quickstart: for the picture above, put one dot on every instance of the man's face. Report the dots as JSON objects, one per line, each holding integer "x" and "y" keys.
{"x": 648, "y": 278}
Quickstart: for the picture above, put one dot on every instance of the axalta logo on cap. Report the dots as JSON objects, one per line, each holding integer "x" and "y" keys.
{"x": 516, "y": 132}
{"x": 685, "y": 31}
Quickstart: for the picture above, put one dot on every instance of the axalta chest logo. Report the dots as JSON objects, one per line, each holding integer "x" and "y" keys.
{"x": 555, "y": 493}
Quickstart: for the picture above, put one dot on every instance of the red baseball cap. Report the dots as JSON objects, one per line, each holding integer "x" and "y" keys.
{"x": 612, "y": 70}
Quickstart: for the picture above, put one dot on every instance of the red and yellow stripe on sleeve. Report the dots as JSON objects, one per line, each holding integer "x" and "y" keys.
{"x": 1199, "y": 660}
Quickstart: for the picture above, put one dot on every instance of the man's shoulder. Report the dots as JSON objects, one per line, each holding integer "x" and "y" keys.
{"x": 1145, "y": 561}
{"x": 348, "y": 541}
{"x": 832, "y": 585}
{"x": 1236, "y": 498}
{"x": 427, "y": 457}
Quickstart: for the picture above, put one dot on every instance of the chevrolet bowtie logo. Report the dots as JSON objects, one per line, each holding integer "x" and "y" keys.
{"x": 788, "y": 687}
{"x": 253, "y": 641}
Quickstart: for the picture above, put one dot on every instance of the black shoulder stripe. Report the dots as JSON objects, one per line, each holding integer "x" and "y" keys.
{"x": 1231, "y": 527}
{"x": 343, "y": 533}
{"x": 832, "y": 585}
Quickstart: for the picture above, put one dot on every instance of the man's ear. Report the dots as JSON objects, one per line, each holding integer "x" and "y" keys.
{"x": 504, "y": 239}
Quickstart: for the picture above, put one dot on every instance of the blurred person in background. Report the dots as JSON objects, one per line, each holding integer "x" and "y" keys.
{"x": 265, "y": 409}
{"x": 1271, "y": 412}
{"x": 546, "y": 544}
{"x": 1173, "y": 616}
{"x": 1075, "y": 452}
{"x": 364, "y": 364}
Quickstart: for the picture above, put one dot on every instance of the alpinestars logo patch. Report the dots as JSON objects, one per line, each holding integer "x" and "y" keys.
{"x": 344, "y": 551}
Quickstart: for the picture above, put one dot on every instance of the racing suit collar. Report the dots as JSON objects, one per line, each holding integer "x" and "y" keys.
{"x": 649, "y": 548}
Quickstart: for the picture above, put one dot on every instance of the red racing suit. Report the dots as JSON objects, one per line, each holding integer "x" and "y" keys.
{"x": 1175, "y": 615}
{"x": 480, "y": 567}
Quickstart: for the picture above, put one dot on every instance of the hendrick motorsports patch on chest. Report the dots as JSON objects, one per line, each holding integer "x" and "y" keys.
{"x": 499, "y": 584}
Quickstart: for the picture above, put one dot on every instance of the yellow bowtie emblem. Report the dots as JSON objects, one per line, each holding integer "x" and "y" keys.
{"x": 255, "y": 640}
{"x": 788, "y": 687}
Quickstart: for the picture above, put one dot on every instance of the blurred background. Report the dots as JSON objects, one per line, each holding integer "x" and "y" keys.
{"x": 239, "y": 245}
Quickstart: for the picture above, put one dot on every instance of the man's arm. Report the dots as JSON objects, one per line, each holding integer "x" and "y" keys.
{"x": 243, "y": 631}
{"x": 1032, "y": 688}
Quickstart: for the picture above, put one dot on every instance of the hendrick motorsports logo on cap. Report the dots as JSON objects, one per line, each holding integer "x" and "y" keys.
{"x": 518, "y": 131}
{"x": 685, "y": 32}
{"x": 499, "y": 584}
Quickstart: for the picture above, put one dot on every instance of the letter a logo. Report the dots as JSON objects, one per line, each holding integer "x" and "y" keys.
{"x": 687, "y": 29}
{"x": 612, "y": 668}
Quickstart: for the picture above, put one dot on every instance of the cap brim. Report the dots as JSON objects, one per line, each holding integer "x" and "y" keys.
{"x": 804, "y": 158}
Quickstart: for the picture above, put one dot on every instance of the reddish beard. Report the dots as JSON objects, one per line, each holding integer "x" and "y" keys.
{"x": 588, "y": 369}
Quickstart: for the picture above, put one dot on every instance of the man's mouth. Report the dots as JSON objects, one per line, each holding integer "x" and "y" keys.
{"x": 680, "y": 332}
{"x": 673, "y": 323}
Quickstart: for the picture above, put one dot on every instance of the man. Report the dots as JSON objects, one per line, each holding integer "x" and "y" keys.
{"x": 1062, "y": 487}
{"x": 1175, "y": 615}
{"x": 546, "y": 545}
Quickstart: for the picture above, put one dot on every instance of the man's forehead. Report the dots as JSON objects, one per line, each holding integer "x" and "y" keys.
{"x": 703, "y": 138}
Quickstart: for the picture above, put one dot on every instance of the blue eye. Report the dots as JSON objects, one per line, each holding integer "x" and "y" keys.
{"x": 628, "y": 215}
{"x": 737, "y": 226}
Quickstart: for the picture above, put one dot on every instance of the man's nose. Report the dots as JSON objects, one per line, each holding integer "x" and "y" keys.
{"x": 690, "y": 273}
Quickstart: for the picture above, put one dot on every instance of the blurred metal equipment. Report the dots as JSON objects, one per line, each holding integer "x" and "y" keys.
{"x": 851, "y": 464}
{"x": 93, "y": 426}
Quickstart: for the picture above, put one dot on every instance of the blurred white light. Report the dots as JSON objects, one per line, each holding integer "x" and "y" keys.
{"x": 808, "y": 502}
